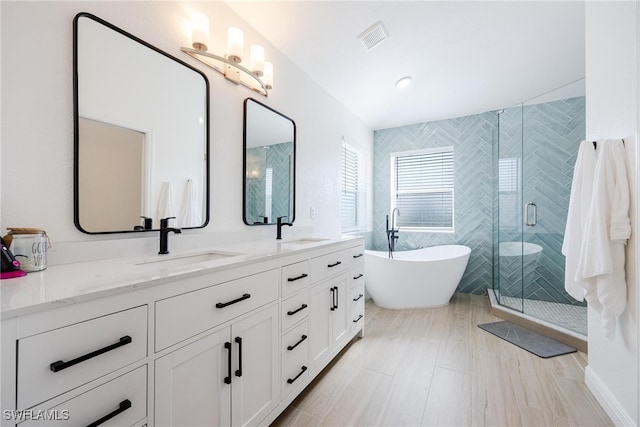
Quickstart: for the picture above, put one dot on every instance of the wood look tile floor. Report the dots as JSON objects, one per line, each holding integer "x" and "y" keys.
{"x": 435, "y": 367}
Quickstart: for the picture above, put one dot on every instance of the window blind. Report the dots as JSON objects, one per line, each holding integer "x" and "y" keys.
{"x": 350, "y": 178}
{"x": 423, "y": 190}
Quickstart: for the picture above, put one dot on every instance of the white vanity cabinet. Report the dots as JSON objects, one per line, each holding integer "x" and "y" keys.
{"x": 228, "y": 377}
{"x": 229, "y": 344}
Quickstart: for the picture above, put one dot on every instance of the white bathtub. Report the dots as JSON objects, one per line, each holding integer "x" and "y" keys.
{"x": 412, "y": 279}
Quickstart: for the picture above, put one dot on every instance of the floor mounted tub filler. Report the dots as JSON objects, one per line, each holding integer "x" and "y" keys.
{"x": 417, "y": 278}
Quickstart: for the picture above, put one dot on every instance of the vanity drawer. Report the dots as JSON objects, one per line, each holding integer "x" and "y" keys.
{"x": 295, "y": 277}
{"x": 357, "y": 255}
{"x": 124, "y": 398}
{"x": 357, "y": 277}
{"x": 57, "y": 361}
{"x": 357, "y": 306}
{"x": 183, "y": 316}
{"x": 327, "y": 265}
{"x": 295, "y": 357}
{"x": 294, "y": 309}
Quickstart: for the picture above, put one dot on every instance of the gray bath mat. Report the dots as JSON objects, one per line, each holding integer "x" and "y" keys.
{"x": 531, "y": 341}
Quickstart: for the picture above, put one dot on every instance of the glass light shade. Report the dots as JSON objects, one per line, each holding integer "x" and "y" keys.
{"x": 268, "y": 75}
{"x": 257, "y": 60}
{"x": 199, "y": 31}
{"x": 235, "y": 42}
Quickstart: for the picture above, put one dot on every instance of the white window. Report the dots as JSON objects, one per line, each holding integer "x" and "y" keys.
{"x": 353, "y": 201}
{"x": 509, "y": 196}
{"x": 422, "y": 189}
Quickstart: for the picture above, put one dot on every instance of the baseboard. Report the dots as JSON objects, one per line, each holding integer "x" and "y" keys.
{"x": 605, "y": 398}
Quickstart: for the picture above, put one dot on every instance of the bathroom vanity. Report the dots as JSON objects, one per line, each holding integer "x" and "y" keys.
{"x": 220, "y": 337}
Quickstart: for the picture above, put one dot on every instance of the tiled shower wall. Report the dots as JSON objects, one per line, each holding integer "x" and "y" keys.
{"x": 471, "y": 138}
{"x": 552, "y": 133}
{"x": 547, "y": 137}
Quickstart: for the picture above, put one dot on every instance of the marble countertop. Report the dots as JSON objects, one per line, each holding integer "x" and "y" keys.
{"x": 73, "y": 283}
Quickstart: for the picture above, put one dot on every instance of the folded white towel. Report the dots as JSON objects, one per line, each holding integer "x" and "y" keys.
{"x": 165, "y": 204}
{"x": 190, "y": 215}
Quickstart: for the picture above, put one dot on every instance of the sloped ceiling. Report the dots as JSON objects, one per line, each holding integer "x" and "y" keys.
{"x": 464, "y": 57}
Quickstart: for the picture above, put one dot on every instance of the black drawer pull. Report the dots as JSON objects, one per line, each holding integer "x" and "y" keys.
{"x": 334, "y": 264}
{"x": 293, "y": 279}
{"x": 291, "y": 380}
{"x": 357, "y": 256}
{"x": 239, "y": 370}
{"x": 123, "y": 406}
{"x": 358, "y": 276}
{"x": 359, "y": 296}
{"x": 333, "y": 298}
{"x": 225, "y": 304}
{"x": 291, "y": 347}
{"x": 302, "y": 307}
{"x": 227, "y": 379}
{"x": 359, "y": 317}
{"x": 60, "y": 365}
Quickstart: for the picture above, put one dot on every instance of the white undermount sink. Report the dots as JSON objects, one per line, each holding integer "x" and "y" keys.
{"x": 305, "y": 241}
{"x": 183, "y": 260}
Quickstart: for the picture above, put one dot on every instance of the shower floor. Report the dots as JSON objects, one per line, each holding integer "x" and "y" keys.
{"x": 570, "y": 317}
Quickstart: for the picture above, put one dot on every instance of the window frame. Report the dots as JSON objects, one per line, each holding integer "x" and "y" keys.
{"x": 360, "y": 192}
{"x": 392, "y": 186}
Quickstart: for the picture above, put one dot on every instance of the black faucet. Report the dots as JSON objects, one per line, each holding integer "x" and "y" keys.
{"x": 392, "y": 233}
{"x": 280, "y": 224}
{"x": 164, "y": 234}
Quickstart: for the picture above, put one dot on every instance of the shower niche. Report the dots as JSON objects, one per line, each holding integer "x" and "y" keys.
{"x": 533, "y": 159}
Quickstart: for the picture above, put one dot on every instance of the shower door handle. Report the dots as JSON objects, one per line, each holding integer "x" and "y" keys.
{"x": 526, "y": 214}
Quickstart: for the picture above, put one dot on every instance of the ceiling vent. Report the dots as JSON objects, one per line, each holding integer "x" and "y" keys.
{"x": 373, "y": 36}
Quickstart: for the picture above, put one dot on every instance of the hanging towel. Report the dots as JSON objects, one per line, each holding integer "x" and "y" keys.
{"x": 165, "y": 203}
{"x": 602, "y": 253}
{"x": 189, "y": 209}
{"x": 579, "y": 202}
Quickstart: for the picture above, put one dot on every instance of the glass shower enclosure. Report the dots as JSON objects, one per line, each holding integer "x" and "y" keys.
{"x": 533, "y": 159}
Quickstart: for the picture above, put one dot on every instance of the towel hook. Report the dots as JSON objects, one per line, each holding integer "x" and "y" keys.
{"x": 595, "y": 145}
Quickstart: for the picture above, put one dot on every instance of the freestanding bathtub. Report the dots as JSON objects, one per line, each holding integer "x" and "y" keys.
{"x": 413, "y": 279}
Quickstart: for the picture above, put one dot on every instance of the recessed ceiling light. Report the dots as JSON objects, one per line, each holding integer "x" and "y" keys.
{"x": 403, "y": 82}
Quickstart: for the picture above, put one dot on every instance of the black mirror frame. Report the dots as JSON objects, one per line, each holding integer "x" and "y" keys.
{"x": 76, "y": 132}
{"x": 244, "y": 163}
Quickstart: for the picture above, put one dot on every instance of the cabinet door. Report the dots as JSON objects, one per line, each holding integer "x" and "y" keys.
{"x": 189, "y": 384}
{"x": 254, "y": 384}
{"x": 320, "y": 304}
{"x": 340, "y": 313}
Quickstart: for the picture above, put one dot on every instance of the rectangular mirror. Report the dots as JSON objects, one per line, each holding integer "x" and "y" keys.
{"x": 141, "y": 133}
{"x": 269, "y": 165}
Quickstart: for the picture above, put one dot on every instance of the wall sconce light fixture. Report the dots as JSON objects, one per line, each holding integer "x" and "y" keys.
{"x": 259, "y": 75}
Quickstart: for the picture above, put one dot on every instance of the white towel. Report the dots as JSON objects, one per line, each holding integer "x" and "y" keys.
{"x": 579, "y": 202}
{"x": 165, "y": 203}
{"x": 189, "y": 209}
{"x": 602, "y": 254}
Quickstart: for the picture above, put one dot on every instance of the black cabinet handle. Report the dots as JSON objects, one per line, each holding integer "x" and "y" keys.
{"x": 359, "y": 317}
{"x": 291, "y": 380}
{"x": 357, "y": 256}
{"x": 359, "y": 296}
{"x": 358, "y": 276}
{"x": 302, "y": 307}
{"x": 122, "y": 406}
{"x": 333, "y": 298}
{"x": 334, "y": 264}
{"x": 337, "y": 292}
{"x": 227, "y": 379}
{"x": 239, "y": 370}
{"x": 225, "y": 304}
{"x": 60, "y": 365}
{"x": 291, "y": 347}
{"x": 293, "y": 279}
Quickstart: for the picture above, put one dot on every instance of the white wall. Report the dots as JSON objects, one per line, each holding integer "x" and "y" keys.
{"x": 37, "y": 131}
{"x": 612, "y": 34}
